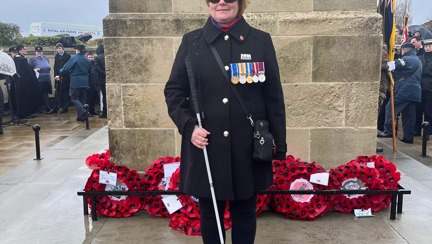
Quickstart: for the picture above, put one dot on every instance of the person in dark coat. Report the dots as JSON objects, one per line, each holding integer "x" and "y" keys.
{"x": 417, "y": 41}
{"x": 227, "y": 133}
{"x": 426, "y": 81}
{"x": 24, "y": 88}
{"x": 2, "y": 77}
{"x": 100, "y": 70}
{"x": 62, "y": 81}
{"x": 79, "y": 68}
{"x": 407, "y": 75}
{"x": 92, "y": 91}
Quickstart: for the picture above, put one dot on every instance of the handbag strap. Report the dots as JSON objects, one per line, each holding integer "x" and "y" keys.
{"x": 221, "y": 66}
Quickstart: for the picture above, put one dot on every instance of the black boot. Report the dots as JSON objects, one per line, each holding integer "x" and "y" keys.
{"x": 1, "y": 124}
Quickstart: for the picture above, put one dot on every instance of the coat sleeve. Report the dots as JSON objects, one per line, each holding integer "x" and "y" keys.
{"x": 177, "y": 94}
{"x": 274, "y": 100}
{"x": 98, "y": 67}
{"x": 67, "y": 67}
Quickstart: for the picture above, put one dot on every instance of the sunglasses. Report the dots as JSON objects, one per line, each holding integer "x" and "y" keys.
{"x": 217, "y": 1}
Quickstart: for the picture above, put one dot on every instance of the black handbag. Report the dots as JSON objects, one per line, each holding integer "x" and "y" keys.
{"x": 263, "y": 142}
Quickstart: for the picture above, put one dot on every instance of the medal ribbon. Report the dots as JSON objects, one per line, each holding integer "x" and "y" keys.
{"x": 234, "y": 70}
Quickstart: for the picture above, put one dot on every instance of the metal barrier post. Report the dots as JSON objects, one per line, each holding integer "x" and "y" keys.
{"x": 86, "y": 107}
{"x": 425, "y": 137}
{"x": 36, "y": 129}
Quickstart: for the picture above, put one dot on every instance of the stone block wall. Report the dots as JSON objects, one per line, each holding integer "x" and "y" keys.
{"x": 329, "y": 58}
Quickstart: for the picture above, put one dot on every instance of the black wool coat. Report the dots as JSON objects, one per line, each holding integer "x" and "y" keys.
{"x": 59, "y": 62}
{"x": 426, "y": 81}
{"x": 235, "y": 174}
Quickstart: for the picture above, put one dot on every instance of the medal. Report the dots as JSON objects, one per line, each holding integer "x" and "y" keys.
{"x": 249, "y": 73}
{"x": 234, "y": 74}
{"x": 261, "y": 72}
{"x": 255, "y": 72}
{"x": 242, "y": 68}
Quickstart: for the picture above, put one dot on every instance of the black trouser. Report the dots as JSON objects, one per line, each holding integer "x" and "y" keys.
{"x": 92, "y": 97}
{"x": 381, "y": 113}
{"x": 243, "y": 220}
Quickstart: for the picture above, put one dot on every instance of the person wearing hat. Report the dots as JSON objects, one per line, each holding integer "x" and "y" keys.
{"x": 426, "y": 81}
{"x": 79, "y": 69}
{"x": 62, "y": 81}
{"x": 24, "y": 89}
{"x": 13, "y": 51}
{"x": 407, "y": 73}
{"x": 42, "y": 66}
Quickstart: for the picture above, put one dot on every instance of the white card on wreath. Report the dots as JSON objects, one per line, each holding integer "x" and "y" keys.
{"x": 320, "y": 178}
{"x": 108, "y": 178}
{"x": 363, "y": 213}
{"x": 371, "y": 165}
{"x": 169, "y": 169}
{"x": 172, "y": 203}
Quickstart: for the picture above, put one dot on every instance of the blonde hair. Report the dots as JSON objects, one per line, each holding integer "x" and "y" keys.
{"x": 242, "y": 5}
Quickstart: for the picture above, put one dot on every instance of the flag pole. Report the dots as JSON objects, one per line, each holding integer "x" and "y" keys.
{"x": 391, "y": 47}
{"x": 392, "y": 110}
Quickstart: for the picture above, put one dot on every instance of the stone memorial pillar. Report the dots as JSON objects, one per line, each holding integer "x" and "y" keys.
{"x": 329, "y": 56}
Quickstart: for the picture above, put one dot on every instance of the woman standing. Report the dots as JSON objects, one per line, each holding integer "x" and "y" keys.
{"x": 42, "y": 66}
{"x": 248, "y": 56}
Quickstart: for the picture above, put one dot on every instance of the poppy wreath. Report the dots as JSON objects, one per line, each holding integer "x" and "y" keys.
{"x": 152, "y": 178}
{"x": 117, "y": 205}
{"x": 262, "y": 202}
{"x": 97, "y": 161}
{"x": 356, "y": 176}
{"x": 187, "y": 219}
{"x": 387, "y": 173}
{"x": 292, "y": 174}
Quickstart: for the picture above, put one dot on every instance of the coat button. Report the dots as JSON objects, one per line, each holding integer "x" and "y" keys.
{"x": 226, "y": 38}
{"x": 226, "y": 133}
{"x": 225, "y": 100}
{"x": 226, "y": 68}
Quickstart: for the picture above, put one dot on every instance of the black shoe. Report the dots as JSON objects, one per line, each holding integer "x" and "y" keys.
{"x": 1, "y": 129}
{"x": 52, "y": 111}
{"x": 406, "y": 141}
{"x": 63, "y": 111}
{"x": 384, "y": 135}
{"x": 417, "y": 134}
{"x": 103, "y": 116}
{"x": 90, "y": 115}
{"x": 93, "y": 113}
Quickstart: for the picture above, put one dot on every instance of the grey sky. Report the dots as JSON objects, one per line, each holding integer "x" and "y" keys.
{"x": 91, "y": 12}
{"x": 23, "y": 12}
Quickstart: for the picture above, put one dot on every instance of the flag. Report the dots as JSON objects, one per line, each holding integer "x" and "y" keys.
{"x": 387, "y": 8}
{"x": 405, "y": 29}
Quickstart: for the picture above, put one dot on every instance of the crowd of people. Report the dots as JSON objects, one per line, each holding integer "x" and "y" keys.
{"x": 412, "y": 72}
{"x": 78, "y": 80}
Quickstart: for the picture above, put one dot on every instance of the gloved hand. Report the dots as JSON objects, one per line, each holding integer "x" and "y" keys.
{"x": 391, "y": 65}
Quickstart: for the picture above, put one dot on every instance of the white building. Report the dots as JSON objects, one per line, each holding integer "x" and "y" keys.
{"x": 52, "y": 29}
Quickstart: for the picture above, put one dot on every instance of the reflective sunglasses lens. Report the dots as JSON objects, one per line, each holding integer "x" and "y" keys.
{"x": 217, "y": 1}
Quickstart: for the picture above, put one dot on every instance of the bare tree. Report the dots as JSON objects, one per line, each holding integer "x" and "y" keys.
{"x": 403, "y": 7}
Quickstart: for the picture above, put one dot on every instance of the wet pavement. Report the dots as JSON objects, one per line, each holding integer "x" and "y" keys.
{"x": 39, "y": 202}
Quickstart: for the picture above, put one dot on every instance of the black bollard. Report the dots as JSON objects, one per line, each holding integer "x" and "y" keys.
{"x": 36, "y": 129}
{"x": 86, "y": 107}
{"x": 425, "y": 138}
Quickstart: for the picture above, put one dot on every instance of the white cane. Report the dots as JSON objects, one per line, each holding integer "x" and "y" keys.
{"x": 195, "y": 103}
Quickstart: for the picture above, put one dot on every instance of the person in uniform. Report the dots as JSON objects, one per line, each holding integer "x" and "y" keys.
{"x": 426, "y": 81}
{"x": 42, "y": 66}
{"x": 249, "y": 58}
{"x": 79, "y": 68}
{"x": 24, "y": 89}
{"x": 407, "y": 74}
{"x": 61, "y": 81}
{"x": 101, "y": 75}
